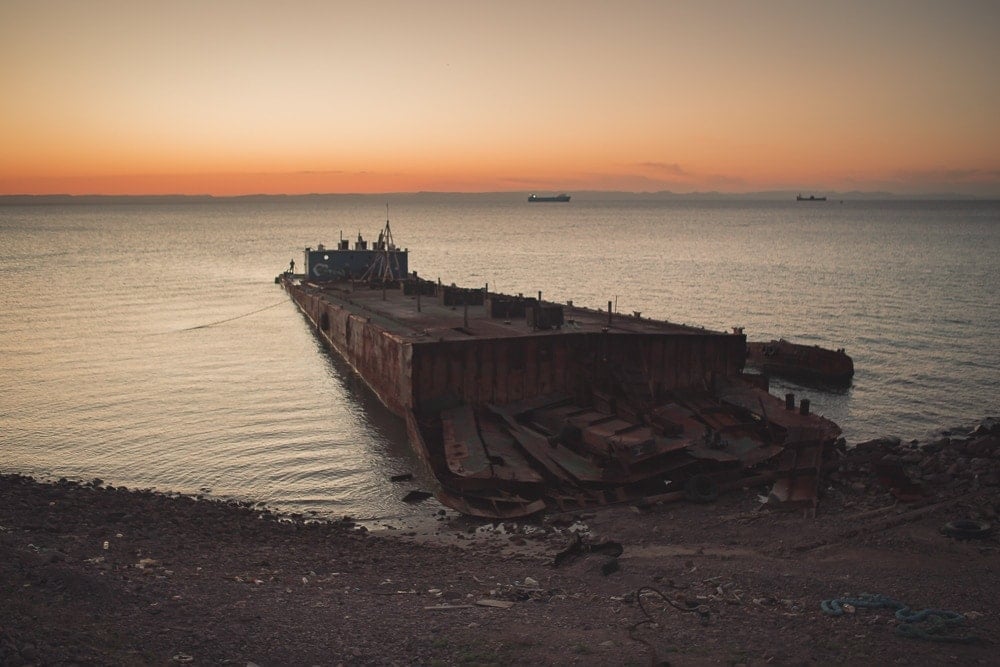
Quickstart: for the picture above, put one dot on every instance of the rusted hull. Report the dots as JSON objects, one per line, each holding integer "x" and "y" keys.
{"x": 476, "y": 494}
{"x": 586, "y": 457}
{"x": 809, "y": 362}
{"x": 490, "y": 506}
{"x": 565, "y": 408}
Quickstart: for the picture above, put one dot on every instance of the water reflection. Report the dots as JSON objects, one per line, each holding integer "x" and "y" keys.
{"x": 386, "y": 452}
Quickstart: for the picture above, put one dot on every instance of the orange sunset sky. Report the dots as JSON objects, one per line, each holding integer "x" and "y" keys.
{"x": 236, "y": 97}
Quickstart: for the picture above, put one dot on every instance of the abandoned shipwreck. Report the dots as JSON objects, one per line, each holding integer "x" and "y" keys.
{"x": 517, "y": 404}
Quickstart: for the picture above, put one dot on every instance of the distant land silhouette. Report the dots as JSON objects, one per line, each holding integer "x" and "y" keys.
{"x": 579, "y": 195}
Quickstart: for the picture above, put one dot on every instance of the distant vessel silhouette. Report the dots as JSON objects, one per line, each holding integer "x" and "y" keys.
{"x": 562, "y": 197}
{"x": 809, "y": 198}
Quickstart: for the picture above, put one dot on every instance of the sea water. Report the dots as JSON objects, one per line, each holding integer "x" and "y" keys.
{"x": 147, "y": 344}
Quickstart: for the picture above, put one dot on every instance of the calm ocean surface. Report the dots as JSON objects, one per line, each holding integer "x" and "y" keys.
{"x": 147, "y": 344}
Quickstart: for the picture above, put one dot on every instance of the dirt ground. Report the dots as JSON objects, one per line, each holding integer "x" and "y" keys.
{"x": 95, "y": 575}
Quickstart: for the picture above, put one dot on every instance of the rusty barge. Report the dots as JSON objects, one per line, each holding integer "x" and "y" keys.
{"x": 797, "y": 361}
{"x": 517, "y": 404}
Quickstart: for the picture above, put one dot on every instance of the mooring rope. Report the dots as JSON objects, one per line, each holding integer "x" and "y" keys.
{"x": 238, "y": 317}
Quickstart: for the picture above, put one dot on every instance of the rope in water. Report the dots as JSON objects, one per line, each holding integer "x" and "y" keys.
{"x": 238, "y": 317}
{"x": 928, "y": 624}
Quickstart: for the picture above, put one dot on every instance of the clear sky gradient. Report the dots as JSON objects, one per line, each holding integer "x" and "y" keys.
{"x": 237, "y": 97}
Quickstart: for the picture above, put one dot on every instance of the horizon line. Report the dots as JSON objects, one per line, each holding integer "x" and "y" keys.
{"x": 783, "y": 193}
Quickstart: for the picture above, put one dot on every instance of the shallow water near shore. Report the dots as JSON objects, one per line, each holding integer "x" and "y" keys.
{"x": 147, "y": 344}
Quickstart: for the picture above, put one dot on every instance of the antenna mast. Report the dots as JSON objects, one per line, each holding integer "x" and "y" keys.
{"x": 385, "y": 266}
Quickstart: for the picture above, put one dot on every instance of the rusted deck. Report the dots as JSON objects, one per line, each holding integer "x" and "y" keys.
{"x": 418, "y": 318}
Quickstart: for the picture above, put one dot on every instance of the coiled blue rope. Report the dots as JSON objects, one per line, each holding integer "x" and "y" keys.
{"x": 927, "y": 624}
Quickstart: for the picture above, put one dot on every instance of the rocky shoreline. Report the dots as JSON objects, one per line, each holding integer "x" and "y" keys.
{"x": 93, "y": 575}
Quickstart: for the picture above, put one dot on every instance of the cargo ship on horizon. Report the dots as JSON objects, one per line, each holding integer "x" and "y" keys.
{"x": 555, "y": 198}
